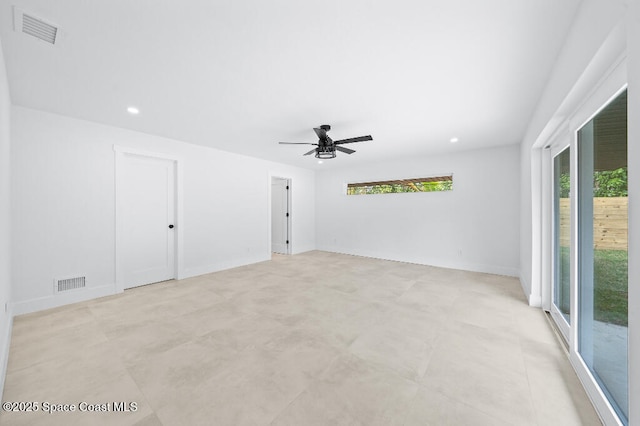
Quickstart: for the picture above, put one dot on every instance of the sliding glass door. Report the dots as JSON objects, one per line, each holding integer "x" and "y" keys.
{"x": 602, "y": 260}
{"x": 561, "y": 238}
{"x": 588, "y": 251}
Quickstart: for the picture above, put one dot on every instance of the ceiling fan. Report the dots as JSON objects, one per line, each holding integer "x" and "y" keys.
{"x": 326, "y": 147}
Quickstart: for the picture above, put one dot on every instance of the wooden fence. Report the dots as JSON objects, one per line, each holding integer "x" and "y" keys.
{"x": 610, "y": 223}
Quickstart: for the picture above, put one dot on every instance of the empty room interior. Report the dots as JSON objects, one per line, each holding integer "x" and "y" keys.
{"x": 320, "y": 212}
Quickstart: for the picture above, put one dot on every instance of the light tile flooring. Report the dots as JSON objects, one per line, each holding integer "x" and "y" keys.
{"x": 312, "y": 339}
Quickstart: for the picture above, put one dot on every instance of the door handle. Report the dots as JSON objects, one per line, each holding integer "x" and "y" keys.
{"x": 170, "y": 226}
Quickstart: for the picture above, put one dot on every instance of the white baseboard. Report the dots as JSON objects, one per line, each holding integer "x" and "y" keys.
{"x": 221, "y": 266}
{"x": 75, "y": 296}
{"x": 535, "y": 300}
{"x": 303, "y": 249}
{"x": 440, "y": 263}
{"x": 61, "y": 299}
{"x": 526, "y": 287}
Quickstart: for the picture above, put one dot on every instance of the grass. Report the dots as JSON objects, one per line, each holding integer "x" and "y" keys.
{"x": 610, "y": 284}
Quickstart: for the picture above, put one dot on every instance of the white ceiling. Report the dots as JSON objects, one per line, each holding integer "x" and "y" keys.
{"x": 243, "y": 75}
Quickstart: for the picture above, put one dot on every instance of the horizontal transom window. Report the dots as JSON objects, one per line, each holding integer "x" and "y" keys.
{"x": 427, "y": 184}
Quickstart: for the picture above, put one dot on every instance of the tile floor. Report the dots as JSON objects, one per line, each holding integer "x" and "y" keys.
{"x": 313, "y": 339}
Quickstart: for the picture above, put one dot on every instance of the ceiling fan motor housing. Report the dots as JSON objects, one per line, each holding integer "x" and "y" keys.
{"x": 325, "y": 153}
{"x": 327, "y": 147}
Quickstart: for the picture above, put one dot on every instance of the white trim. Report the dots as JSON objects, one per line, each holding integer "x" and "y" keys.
{"x": 222, "y": 266}
{"x": 633, "y": 152}
{"x": 561, "y": 323}
{"x": 559, "y": 144}
{"x": 578, "y": 121}
{"x": 604, "y": 409}
{"x": 61, "y": 299}
{"x": 290, "y": 217}
{"x": 614, "y": 80}
{"x": 440, "y": 263}
{"x": 289, "y": 208}
{"x": 179, "y": 216}
{"x": 547, "y": 206}
{"x": 525, "y": 285}
{"x": 120, "y": 153}
{"x": 573, "y": 246}
{"x": 535, "y": 293}
{"x": 535, "y": 301}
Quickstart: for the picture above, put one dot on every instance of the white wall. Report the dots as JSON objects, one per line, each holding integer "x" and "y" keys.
{"x": 593, "y": 23}
{"x": 5, "y": 221}
{"x": 63, "y": 205}
{"x": 473, "y": 227}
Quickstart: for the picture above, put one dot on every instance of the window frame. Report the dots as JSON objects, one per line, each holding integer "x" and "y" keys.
{"x": 403, "y": 183}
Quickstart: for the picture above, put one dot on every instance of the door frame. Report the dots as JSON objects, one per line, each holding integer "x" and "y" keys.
{"x": 289, "y": 208}
{"x": 607, "y": 88}
{"x": 121, "y": 153}
{"x": 560, "y": 143}
{"x": 591, "y": 90}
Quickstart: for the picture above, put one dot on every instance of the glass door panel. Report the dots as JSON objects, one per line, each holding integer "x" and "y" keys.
{"x": 602, "y": 251}
{"x": 561, "y": 240}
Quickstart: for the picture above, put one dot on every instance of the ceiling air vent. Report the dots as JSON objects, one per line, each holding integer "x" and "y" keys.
{"x": 34, "y": 26}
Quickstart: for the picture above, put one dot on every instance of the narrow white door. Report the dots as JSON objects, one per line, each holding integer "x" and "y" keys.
{"x": 279, "y": 215}
{"x": 146, "y": 195}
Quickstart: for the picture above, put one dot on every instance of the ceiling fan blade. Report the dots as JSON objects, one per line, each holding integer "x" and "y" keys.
{"x": 297, "y": 143}
{"x": 345, "y": 150}
{"x": 310, "y": 152}
{"x": 320, "y": 132}
{"x": 352, "y": 140}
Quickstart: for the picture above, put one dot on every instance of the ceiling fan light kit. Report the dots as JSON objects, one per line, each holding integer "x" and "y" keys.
{"x": 326, "y": 147}
{"x": 324, "y": 153}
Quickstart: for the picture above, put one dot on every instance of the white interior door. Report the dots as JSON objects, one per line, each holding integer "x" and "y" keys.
{"x": 279, "y": 215}
{"x": 146, "y": 200}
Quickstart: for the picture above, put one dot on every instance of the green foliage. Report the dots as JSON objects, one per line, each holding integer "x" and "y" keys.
{"x": 446, "y": 185}
{"x": 400, "y": 188}
{"x": 606, "y": 183}
{"x": 610, "y": 183}
{"x": 565, "y": 185}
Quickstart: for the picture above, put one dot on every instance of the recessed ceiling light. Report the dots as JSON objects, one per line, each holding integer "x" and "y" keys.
{"x": 320, "y": 161}
{"x": 453, "y": 140}
{"x": 133, "y": 110}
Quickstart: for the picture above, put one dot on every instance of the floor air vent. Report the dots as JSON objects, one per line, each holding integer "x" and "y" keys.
{"x": 69, "y": 284}
{"x": 36, "y": 27}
